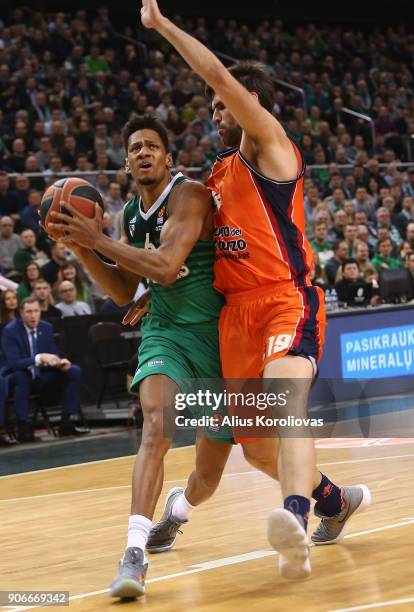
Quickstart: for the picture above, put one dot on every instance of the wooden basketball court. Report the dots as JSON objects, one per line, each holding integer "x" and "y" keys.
{"x": 65, "y": 529}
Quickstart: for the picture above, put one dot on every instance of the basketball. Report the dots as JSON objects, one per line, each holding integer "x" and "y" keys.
{"x": 51, "y": 201}
{"x": 76, "y": 191}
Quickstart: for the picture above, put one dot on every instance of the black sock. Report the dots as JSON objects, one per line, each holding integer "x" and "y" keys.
{"x": 299, "y": 506}
{"x": 329, "y": 497}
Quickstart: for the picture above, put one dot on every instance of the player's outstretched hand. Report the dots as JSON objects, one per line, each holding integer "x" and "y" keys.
{"x": 151, "y": 16}
{"x": 138, "y": 310}
{"x": 76, "y": 227}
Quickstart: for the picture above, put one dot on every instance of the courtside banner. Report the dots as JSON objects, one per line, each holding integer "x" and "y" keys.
{"x": 378, "y": 353}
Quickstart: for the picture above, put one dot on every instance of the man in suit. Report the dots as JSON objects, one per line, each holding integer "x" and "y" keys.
{"x": 34, "y": 364}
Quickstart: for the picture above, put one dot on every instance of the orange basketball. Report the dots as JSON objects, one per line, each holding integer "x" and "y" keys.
{"x": 82, "y": 196}
{"x": 51, "y": 202}
{"x": 78, "y": 192}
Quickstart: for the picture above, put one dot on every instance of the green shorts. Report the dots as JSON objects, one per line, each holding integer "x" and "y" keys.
{"x": 183, "y": 354}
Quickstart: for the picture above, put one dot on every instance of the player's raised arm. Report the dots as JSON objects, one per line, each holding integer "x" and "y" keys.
{"x": 257, "y": 122}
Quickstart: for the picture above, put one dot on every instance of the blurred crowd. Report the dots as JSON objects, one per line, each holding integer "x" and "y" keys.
{"x": 68, "y": 84}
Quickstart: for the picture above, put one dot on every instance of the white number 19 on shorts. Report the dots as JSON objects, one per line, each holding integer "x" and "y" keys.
{"x": 276, "y": 344}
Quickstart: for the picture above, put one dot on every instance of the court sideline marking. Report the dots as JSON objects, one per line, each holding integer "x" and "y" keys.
{"x": 379, "y": 604}
{"x": 208, "y": 565}
{"x": 178, "y": 448}
{"x": 73, "y": 465}
{"x": 229, "y": 475}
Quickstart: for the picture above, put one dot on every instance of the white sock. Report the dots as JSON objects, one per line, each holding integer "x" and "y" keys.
{"x": 182, "y": 509}
{"x": 138, "y": 531}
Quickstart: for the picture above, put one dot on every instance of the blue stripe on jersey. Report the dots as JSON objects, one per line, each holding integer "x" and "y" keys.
{"x": 308, "y": 326}
{"x": 278, "y": 198}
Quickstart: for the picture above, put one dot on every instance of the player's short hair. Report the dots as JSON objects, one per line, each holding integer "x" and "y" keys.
{"x": 254, "y": 77}
{"x": 147, "y": 122}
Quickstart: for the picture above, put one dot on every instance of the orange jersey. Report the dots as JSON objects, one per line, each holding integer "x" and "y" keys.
{"x": 259, "y": 226}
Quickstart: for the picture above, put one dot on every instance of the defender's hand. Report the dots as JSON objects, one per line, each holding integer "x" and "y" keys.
{"x": 138, "y": 310}
{"x": 151, "y": 16}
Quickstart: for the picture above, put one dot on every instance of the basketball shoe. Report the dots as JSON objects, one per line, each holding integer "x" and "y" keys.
{"x": 130, "y": 582}
{"x": 163, "y": 535}
{"x": 332, "y": 529}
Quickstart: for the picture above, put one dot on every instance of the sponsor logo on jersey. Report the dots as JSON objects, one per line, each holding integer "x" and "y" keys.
{"x": 156, "y": 362}
{"x": 161, "y": 215}
{"x": 132, "y": 227}
{"x": 230, "y": 243}
{"x": 160, "y": 219}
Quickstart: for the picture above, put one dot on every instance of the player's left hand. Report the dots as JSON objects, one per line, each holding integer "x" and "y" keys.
{"x": 138, "y": 310}
{"x": 76, "y": 227}
{"x": 151, "y": 16}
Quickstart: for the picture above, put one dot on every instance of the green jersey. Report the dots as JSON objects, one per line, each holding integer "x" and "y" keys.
{"x": 191, "y": 300}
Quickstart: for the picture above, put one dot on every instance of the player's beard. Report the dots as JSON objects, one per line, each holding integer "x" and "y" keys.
{"x": 232, "y": 136}
{"x": 148, "y": 180}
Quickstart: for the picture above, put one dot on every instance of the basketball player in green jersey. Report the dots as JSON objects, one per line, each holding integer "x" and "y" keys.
{"x": 167, "y": 236}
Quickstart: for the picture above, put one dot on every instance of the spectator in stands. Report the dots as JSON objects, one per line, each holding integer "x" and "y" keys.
{"x": 409, "y": 263}
{"x": 102, "y": 185}
{"x": 95, "y": 62}
{"x": 116, "y": 151}
{"x": 321, "y": 244}
{"x": 337, "y": 200}
{"x": 28, "y": 252}
{"x": 59, "y": 256}
{"x": 409, "y": 234}
{"x": 9, "y": 244}
{"x": 69, "y": 153}
{"x": 363, "y": 202}
{"x": 29, "y": 215}
{"x": 9, "y": 306}
{"x": 362, "y": 257}
{"x": 69, "y": 305}
{"x": 351, "y": 276}
{"x": 31, "y": 273}
{"x": 408, "y": 186}
{"x": 9, "y": 203}
{"x": 36, "y": 182}
{"x": 384, "y": 220}
{"x": 333, "y": 264}
{"x": 70, "y": 271}
{"x": 43, "y": 292}
{"x": 383, "y": 259}
{"x": 21, "y": 189}
{"x": 340, "y": 221}
{"x": 350, "y": 235}
{"x": 33, "y": 361}
{"x": 114, "y": 201}
{"x": 44, "y": 155}
{"x": 403, "y": 218}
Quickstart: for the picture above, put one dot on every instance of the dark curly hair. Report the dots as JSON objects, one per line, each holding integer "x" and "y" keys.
{"x": 147, "y": 122}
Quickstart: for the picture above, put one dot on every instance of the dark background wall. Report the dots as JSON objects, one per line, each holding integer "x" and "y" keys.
{"x": 339, "y": 11}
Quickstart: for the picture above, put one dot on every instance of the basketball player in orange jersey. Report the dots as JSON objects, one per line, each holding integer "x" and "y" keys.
{"x": 274, "y": 321}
